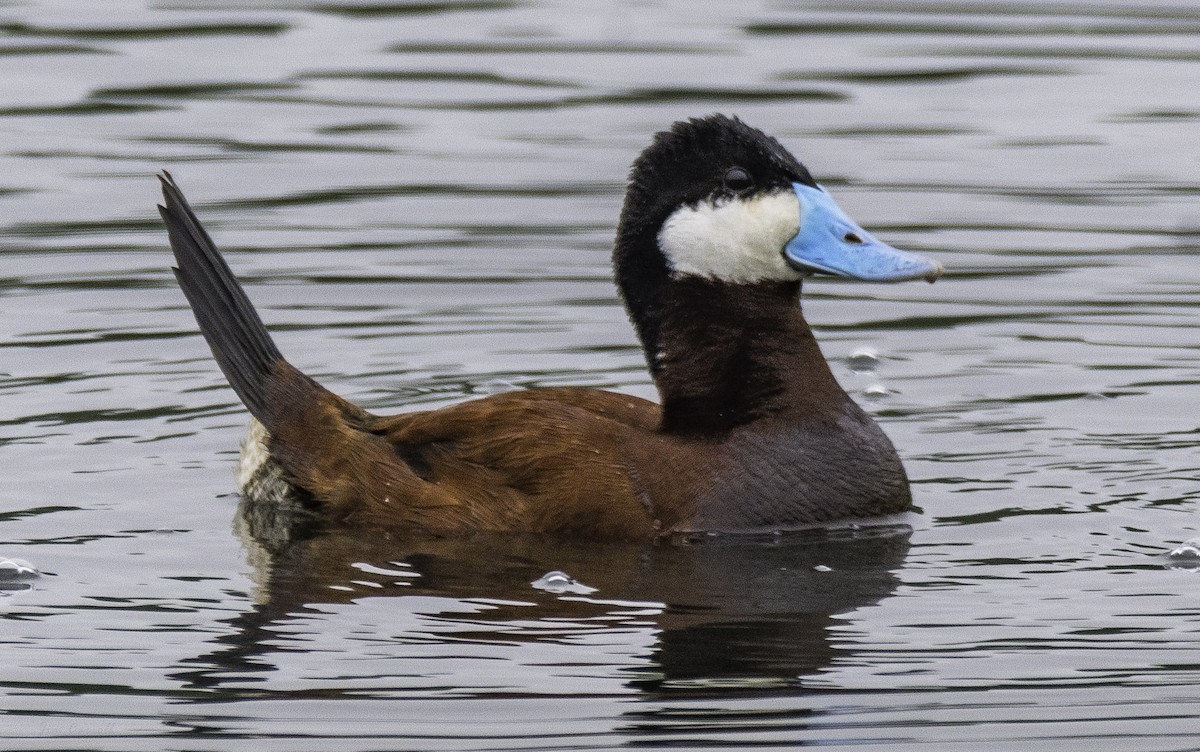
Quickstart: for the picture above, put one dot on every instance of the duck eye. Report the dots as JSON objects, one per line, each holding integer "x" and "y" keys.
{"x": 738, "y": 180}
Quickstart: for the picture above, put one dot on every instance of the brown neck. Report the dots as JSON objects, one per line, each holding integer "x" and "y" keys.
{"x": 731, "y": 354}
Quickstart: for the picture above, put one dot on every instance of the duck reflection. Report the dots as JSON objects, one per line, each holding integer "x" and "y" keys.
{"x": 719, "y": 610}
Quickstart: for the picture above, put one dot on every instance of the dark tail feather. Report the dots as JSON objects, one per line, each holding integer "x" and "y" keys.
{"x": 239, "y": 341}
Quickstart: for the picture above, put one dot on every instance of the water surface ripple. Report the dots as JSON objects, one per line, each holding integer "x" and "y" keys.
{"x": 421, "y": 198}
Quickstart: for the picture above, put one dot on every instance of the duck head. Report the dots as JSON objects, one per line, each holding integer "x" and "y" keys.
{"x": 714, "y": 199}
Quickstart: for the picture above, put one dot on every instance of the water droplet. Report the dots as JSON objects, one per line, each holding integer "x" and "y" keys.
{"x": 822, "y": 568}
{"x": 1185, "y": 556}
{"x": 496, "y": 386}
{"x": 15, "y": 574}
{"x": 16, "y": 569}
{"x": 561, "y": 582}
{"x": 876, "y": 391}
{"x": 863, "y": 360}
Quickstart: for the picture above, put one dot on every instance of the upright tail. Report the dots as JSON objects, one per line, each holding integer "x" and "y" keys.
{"x": 274, "y": 391}
{"x": 316, "y": 443}
{"x": 239, "y": 340}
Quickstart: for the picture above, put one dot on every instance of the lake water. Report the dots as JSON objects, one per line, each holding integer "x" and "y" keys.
{"x": 421, "y": 198}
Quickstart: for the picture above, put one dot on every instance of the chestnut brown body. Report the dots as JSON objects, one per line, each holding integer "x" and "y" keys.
{"x": 753, "y": 431}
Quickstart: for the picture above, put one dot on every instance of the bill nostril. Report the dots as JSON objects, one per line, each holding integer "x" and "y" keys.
{"x": 853, "y": 238}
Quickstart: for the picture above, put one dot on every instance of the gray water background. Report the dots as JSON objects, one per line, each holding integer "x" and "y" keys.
{"x": 421, "y": 199}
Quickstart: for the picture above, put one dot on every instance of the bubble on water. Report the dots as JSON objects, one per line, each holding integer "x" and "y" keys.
{"x": 561, "y": 582}
{"x": 16, "y": 569}
{"x": 822, "y": 568}
{"x": 1185, "y": 556}
{"x": 876, "y": 391}
{"x": 496, "y": 386}
{"x": 863, "y": 360}
{"x": 15, "y": 574}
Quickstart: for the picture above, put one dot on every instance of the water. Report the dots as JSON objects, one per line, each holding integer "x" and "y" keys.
{"x": 421, "y": 199}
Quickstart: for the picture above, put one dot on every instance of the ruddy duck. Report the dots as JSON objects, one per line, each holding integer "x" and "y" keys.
{"x": 720, "y": 226}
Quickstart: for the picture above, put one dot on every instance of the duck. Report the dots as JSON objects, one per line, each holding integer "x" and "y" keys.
{"x": 720, "y": 227}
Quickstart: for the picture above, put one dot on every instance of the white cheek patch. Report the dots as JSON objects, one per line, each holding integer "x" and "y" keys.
{"x": 737, "y": 240}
